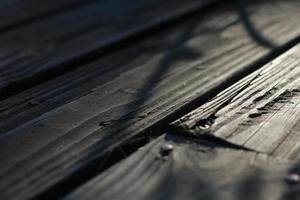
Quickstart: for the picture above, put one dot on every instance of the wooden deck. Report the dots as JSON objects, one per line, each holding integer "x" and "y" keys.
{"x": 148, "y": 99}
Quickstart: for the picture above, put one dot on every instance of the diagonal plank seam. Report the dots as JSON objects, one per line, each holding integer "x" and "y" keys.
{"x": 164, "y": 123}
{"x": 241, "y": 111}
{"x": 91, "y": 167}
{"x": 116, "y": 43}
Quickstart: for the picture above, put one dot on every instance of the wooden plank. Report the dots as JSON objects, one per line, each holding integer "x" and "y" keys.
{"x": 142, "y": 58}
{"x": 32, "y": 103}
{"x": 18, "y": 12}
{"x": 260, "y": 112}
{"x": 194, "y": 169}
{"x": 37, "y": 51}
{"x": 52, "y": 145}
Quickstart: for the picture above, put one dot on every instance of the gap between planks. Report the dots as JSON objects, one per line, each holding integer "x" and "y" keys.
{"x": 192, "y": 169}
{"x": 51, "y": 157}
{"x": 61, "y": 43}
{"x": 260, "y": 112}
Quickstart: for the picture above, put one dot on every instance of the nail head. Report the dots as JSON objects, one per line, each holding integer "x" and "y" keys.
{"x": 292, "y": 178}
{"x": 204, "y": 126}
{"x": 166, "y": 149}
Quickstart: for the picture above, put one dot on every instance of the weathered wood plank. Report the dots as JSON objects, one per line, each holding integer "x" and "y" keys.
{"x": 152, "y": 86}
{"x": 260, "y": 112}
{"x": 19, "y": 108}
{"x": 195, "y": 169}
{"x": 140, "y": 60}
{"x": 42, "y": 49}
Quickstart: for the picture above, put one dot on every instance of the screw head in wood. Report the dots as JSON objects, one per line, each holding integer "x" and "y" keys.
{"x": 204, "y": 126}
{"x": 166, "y": 149}
{"x": 34, "y": 102}
{"x": 292, "y": 178}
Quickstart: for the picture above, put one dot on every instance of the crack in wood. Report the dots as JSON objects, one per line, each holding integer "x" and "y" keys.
{"x": 197, "y": 127}
{"x": 261, "y": 115}
{"x": 273, "y": 106}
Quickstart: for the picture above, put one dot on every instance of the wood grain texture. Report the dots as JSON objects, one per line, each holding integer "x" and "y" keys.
{"x": 260, "y": 112}
{"x": 195, "y": 169}
{"x": 146, "y": 86}
{"x": 143, "y": 60}
{"x": 36, "y": 101}
{"x": 31, "y": 53}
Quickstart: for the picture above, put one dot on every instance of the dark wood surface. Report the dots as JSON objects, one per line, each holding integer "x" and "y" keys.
{"x": 195, "y": 169}
{"x": 14, "y": 13}
{"x": 60, "y": 42}
{"x": 85, "y": 83}
{"x": 260, "y": 112}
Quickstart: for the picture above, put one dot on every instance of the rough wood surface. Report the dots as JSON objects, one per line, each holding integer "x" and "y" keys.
{"x": 195, "y": 169}
{"x": 52, "y": 45}
{"x": 260, "y": 112}
{"x": 156, "y": 77}
{"x": 151, "y": 58}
